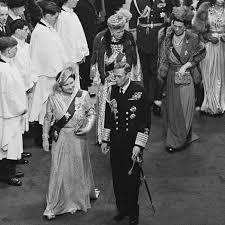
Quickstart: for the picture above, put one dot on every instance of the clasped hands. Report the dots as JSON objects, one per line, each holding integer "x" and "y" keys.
{"x": 135, "y": 153}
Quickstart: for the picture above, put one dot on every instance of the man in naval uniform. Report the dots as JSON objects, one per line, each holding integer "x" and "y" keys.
{"x": 127, "y": 126}
{"x": 148, "y": 17}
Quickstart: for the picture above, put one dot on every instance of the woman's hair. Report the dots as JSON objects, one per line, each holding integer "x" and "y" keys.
{"x": 62, "y": 77}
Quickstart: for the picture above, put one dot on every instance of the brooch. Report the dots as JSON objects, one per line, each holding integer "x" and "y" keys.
{"x": 186, "y": 52}
{"x": 146, "y": 131}
{"x": 136, "y": 96}
{"x": 67, "y": 115}
{"x": 132, "y": 116}
{"x": 133, "y": 109}
{"x": 162, "y": 14}
{"x": 77, "y": 106}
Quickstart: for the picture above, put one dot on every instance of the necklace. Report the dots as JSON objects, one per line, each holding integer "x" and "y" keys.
{"x": 177, "y": 41}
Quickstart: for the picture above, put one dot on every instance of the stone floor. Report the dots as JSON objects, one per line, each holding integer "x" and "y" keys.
{"x": 188, "y": 187}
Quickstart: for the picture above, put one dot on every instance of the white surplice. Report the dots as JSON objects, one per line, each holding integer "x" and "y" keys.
{"x": 72, "y": 34}
{"x": 23, "y": 63}
{"x": 48, "y": 58}
{"x": 13, "y": 103}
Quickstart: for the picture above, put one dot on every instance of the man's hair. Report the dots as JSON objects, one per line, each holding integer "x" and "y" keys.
{"x": 17, "y": 24}
{"x": 48, "y": 7}
{"x": 7, "y": 42}
{"x": 125, "y": 66}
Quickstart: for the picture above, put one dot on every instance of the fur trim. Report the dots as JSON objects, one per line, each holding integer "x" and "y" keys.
{"x": 201, "y": 19}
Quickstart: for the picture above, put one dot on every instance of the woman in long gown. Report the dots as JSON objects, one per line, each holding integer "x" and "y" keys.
{"x": 181, "y": 52}
{"x": 71, "y": 184}
{"x": 112, "y": 47}
{"x": 210, "y": 24}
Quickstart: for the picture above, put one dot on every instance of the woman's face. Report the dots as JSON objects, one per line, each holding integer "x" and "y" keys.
{"x": 68, "y": 86}
{"x": 117, "y": 33}
{"x": 178, "y": 27}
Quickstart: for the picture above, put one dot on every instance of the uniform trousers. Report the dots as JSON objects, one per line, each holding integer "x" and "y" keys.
{"x": 126, "y": 187}
{"x": 84, "y": 70}
{"x": 149, "y": 69}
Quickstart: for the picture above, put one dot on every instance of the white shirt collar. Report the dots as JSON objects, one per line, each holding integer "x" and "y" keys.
{"x": 47, "y": 24}
{"x": 7, "y": 60}
{"x": 13, "y": 16}
{"x": 124, "y": 88}
{"x": 65, "y": 8}
{"x": 20, "y": 42}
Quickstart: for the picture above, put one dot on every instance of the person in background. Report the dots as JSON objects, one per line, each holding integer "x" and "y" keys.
{"x": 87, "y": 14}
{"x": 72, "y": 34}
{"x": 209, "y": 23}
{"x": 112, "y": 47}
{"x": 13, "y": 108}
{"x": 181, "y": 52}
{"x": 16, "y": 11}
{"x": 70, "y": 110}
{"x": 148, "y": 17}
{"x": 3, "y": 18}
{"x": 48, "y": 58}
{"x": 126, "y": 132}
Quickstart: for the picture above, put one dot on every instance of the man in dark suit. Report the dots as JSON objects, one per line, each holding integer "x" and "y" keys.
{"x": 148, "y": 17}
{"x": 87, "y": 14}
{"x": 3, "y": 19}
{"x": 127, "y": 126}
{"x": 16, "y": 11}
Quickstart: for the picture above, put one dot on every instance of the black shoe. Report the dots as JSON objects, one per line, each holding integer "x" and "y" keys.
{"x": 170, "y": 149}
{"x": 14, "y": 182}
{"x": 133, "y": 220}
{"x": 118, "y": 217}
{"x": 26, "y": 155}
{"x": 156, "y": 110}
{"x": 22, "y": 161}
{"x": 19, "y": 175}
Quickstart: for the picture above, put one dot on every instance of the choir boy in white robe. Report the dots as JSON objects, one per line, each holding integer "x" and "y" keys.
{"x": 19, "y": 30}
{"x": 13, "y": 107}
{"x": 48, "y": 57}
{"x": 72, "y": 34}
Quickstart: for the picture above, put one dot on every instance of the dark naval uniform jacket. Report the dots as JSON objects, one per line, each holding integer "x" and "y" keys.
{"x": 148, "y": 16}
{"x": 127, "y": 123}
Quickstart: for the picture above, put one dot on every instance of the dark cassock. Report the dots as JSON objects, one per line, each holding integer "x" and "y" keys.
{"x": 127, "y": 124}
{"x": 87, "y": 15}
{"x": 148, "y": 17}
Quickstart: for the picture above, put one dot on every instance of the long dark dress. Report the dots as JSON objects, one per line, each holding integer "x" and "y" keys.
{"x": 179, "y": 103}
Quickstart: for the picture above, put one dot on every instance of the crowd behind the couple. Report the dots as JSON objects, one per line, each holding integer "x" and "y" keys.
{"x": 51, "y": 52}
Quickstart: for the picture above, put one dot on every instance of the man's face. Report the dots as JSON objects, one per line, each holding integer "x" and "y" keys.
{"x": 19, "y": 11}
{"x": 117, "y": 33}
{"x": 121, "y": 77}
{"x": 3, "y": 15}
{"x": 73, "y": 3}
{"x": 178, "y": 27}
{"x": 52, "y": 19}
{"x": 23, "y": 33}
